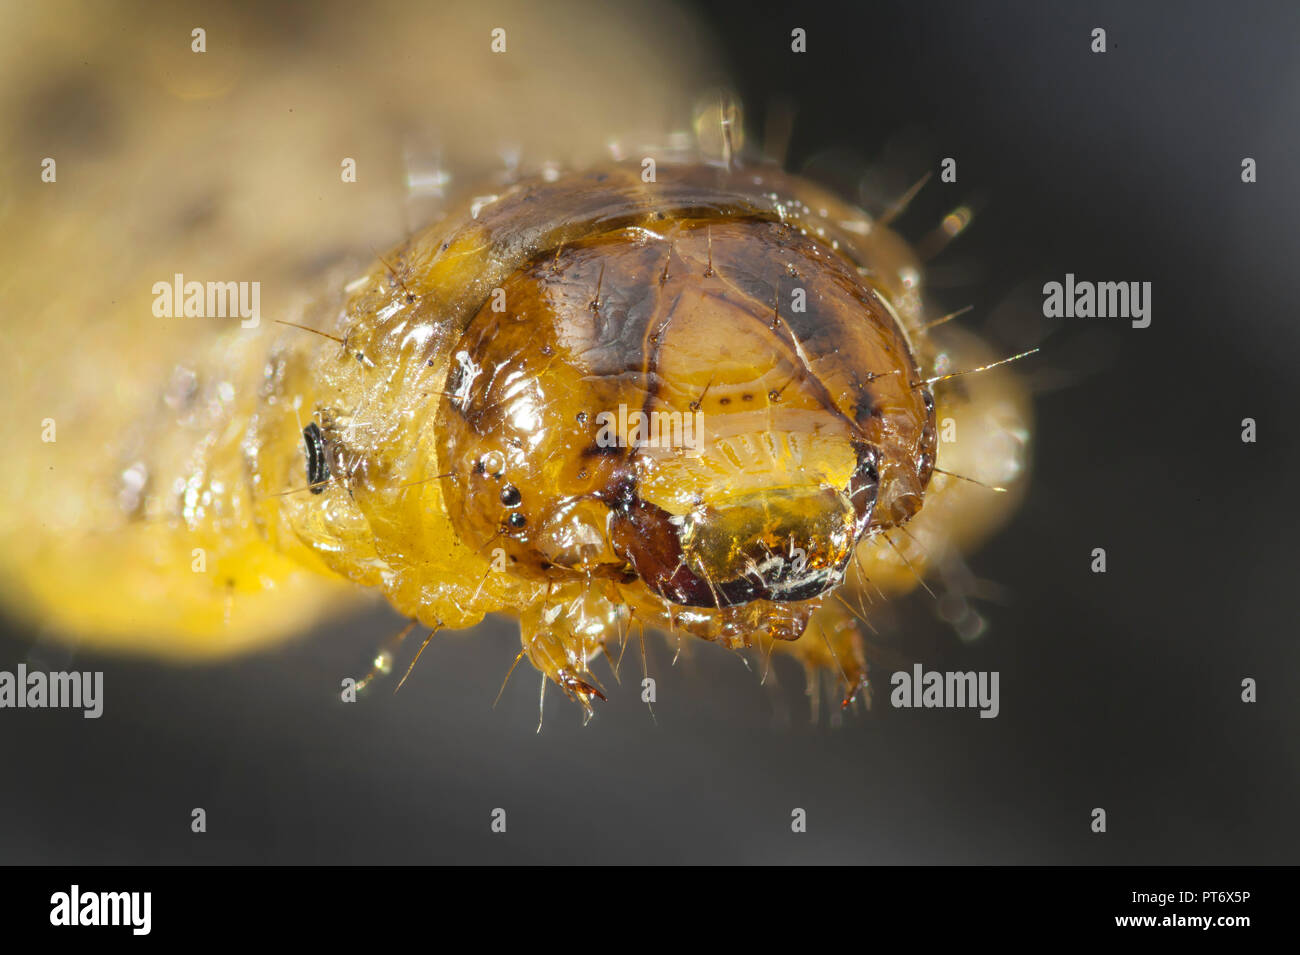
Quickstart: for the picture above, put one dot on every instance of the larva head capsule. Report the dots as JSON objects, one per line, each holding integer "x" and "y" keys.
{"x": 718, "y": 405}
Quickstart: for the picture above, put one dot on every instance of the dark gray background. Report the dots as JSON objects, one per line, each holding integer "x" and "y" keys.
{"x": 1119, "y": 691}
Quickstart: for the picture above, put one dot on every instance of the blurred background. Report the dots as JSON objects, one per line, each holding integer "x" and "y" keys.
{"x": 1118, "y": 690}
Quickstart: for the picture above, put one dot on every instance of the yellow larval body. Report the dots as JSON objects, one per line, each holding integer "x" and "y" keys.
{"x": 175, "y": 510}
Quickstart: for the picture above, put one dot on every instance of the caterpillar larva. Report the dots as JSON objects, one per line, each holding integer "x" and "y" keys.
{"x": 682, "y": 392}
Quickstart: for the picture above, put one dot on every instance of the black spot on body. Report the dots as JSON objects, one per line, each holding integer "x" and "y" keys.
{"x": 865, "y": 406}
{"x": 318, "y": 468}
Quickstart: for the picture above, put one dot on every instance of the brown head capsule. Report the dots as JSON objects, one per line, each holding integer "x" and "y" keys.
{"x": 698, "y": 393}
